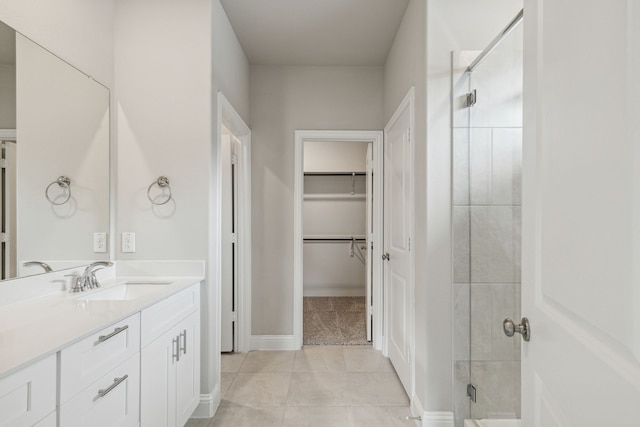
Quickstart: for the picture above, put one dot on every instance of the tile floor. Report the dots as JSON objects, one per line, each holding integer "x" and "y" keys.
{"x": 321, "y": 386}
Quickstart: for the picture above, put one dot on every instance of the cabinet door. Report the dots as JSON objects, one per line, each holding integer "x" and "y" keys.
{"x": 158, "y": 381}
{"x": 110, "y": 401}
{"x": 29, "y": 394}
{"x": 188, "y": 368}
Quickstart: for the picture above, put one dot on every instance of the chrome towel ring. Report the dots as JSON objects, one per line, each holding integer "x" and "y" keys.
{"x": 65, "y": 183}
{"x": 162, "y": 182}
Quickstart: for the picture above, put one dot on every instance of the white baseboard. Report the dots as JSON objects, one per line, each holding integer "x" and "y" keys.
{"x": 334, "y": 291}
{"x": 430, "y": 419}
{"x": 208, "y": 404}
{"x": 437, "y": 419}
{"x": 273, "y": 342}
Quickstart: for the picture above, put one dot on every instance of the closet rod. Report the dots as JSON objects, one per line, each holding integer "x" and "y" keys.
{"x": 335, "y": 173}
{"x": 333, "y": 239}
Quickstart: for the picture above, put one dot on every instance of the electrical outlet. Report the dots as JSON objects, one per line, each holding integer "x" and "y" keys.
{"x": 99, "y": 242}
{"x": 128, "y": 242}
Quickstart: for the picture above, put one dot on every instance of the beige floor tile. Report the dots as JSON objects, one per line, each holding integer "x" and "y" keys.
{"x": 376, "y": 389}
{"x": 318, "y": 389}
{"x": 366, "y": 360}
{"x": 382, "y": 417}
{"x": 226, "y": 378}
{"x": 258, "y": 389}
{"x": 198, "y": 422}
{"x": 319, "y": 359}
{"x": 326, "y": 416}
{"x": 268, "y": 361}
{"x": 241, "y": 416}
{"x": 231, "y": 362}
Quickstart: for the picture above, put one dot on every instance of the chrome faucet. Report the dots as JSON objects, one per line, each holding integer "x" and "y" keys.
{"x": 44, "y": 265}
{"x": 88, "y": 280}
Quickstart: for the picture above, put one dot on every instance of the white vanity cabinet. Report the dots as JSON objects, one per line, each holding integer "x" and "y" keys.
{"x": 170, "y": 360}
{"x": 100, "y": 377}
{"x": 28, "y": 397}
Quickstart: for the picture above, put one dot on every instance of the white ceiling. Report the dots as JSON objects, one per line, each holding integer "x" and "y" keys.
{"x": 315, "y": 32}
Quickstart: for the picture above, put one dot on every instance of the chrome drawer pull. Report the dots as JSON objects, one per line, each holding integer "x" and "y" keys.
{"x": 176, "y": 355}
{"x": 116, "y": 382}
{"x": 184, "y": 334}
{"x": 116, "y": 331}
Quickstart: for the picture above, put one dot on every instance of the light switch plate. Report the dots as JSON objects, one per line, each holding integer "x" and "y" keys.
{"x": 128, "y": 242}
{"x": 99, "y": 242}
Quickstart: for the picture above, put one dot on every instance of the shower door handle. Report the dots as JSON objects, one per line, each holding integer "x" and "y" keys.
{"x": 511, "y": 328}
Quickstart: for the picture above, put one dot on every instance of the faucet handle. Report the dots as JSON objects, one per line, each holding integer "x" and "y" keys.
{"x": 76, "y": 282}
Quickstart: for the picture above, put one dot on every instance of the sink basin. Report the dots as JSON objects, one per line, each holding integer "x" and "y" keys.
{"x": 123, "y": 292}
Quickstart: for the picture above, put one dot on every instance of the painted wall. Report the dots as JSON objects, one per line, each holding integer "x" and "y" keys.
{"x": 405, "y": 67}
{"x": 283, "y": 99}
{"x": 163, "y": 108}
{"x": 451, "y": 25}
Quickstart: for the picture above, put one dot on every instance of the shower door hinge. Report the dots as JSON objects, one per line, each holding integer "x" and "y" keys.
{"x": 234, "y": 316}
{"x": 471, "y": 392}
{"x": 234, "y": 237}
{"x": 4, "y": 163}
{"x": 234, "y": 159}
{"x": 470, "y": 99}
{"x": 4, "y": 237}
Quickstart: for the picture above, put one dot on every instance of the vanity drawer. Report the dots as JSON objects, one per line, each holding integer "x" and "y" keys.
{"x": 29, "y": 394}
{"x": 84, "y": 362}
{"x": 158, "y": 318}
{"x": 112, "y": 400}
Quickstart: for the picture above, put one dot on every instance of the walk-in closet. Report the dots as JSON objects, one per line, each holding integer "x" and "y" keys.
{"x": 337, "y": 197}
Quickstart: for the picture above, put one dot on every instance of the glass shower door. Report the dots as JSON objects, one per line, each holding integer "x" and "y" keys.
{"x": 487, "y": 234}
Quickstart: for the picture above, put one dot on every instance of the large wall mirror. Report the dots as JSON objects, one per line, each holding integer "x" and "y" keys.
{"x": 54, "y": 181}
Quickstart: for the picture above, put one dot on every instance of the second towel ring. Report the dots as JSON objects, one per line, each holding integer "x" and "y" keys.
{"x": 162, "y": 182}
{"x": 65, "y": 183}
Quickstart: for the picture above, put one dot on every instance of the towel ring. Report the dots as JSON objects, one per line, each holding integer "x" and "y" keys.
{"x": 162, "y": 182}
{"x": 63, "y": 182}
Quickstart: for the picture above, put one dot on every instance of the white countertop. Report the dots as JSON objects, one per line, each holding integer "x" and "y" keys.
{"x": 35, "y": 328}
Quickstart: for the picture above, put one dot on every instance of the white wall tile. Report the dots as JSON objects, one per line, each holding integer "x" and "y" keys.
{"x": 495, "y": 244}
{"x": 462, "y": 402}
{"x": 480, "y": 160}
{"x": 462, "y": 330}
{"x": 461, "y": 247}
{"x": 461, "y": 166}
{"x": 498, "y": 389}
{"x": 506, "y": 172}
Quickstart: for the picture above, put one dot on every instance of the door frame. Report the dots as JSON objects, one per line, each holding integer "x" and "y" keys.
{"x": 229, "y": 117}
{"x": 376, "y": 138}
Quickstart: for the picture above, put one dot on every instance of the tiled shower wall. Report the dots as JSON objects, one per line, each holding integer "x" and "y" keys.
{"x": 487, "y": 156}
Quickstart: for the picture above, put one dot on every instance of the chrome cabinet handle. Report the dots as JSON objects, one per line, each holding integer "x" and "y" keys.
{"x": 184, "y": 334}
{"x": 176, "y": 345}
{"x": 116, "y": 331}
{"x": 386, "y": 256}
{"x": 511, "y": 328}
{"x": 116, "y": 382}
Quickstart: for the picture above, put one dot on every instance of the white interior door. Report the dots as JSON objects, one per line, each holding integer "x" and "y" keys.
{"x": 581, "y": 217}
{"x": 369, "y": 264}
{"x": 397, "y": 240}
{"x": 229, "y": 273}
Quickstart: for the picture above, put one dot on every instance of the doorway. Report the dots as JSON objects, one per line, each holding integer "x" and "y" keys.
{"x": 234, "y": 169}
{"x": 323, "y": 234}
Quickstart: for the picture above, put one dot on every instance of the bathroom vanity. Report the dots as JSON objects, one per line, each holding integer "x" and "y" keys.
{"x": 125, "y": 354}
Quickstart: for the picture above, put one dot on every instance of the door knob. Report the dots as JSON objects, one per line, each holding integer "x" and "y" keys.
{"x": 386, "y": 256}
{"x": 511, "y": 328}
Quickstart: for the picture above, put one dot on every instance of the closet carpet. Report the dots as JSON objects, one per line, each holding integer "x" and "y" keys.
{"x": 334, "y": 321}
